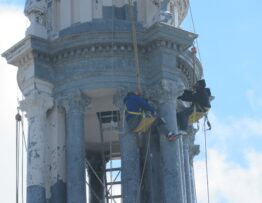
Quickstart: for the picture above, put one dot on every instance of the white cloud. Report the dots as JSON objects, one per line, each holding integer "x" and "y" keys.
{"x": 234, "y": 161}
{"x": 13, "y": 24}
{"x": 243, "y": 127}
{"x": 229, "y": 181}
{"x": 254, "y": 98}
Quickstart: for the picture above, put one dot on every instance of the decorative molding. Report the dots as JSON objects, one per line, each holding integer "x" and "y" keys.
{"x": 91, "y": 49}
{"x": 35, "y": 6}
{"x": 186, "y": 70}
{"x": 172, "y": 10}
{"x": 27, "y": 82}
{"x": 36, "y": 103}
{"x": 191, "y": 71}
{"x": 75, "y": 102}
{"x": 36, "y": 12}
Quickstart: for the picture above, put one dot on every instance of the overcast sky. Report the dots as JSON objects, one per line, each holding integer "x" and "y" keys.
{"x": 230, "y": 48}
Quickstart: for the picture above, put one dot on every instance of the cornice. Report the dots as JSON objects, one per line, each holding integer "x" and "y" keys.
{"x": 26, "y": 49}
{"x": 163, "y": 31}
{"x": 153, "y": 38}
{"x": 34, "y": 49}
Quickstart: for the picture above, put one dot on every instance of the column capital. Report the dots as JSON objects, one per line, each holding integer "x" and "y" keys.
{"x": 36, "y": 103}
{"x": 165, "y": 90}
{"x": 75, "y": 102}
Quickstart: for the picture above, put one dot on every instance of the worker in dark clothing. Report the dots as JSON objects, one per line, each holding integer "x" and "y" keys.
{"x": 135, "y": 106}
{"x": 200, "y": 99}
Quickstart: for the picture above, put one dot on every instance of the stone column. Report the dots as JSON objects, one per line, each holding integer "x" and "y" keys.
{"x": 36, "y": 106}
{"x": 75, "y": 147}
{"x": 171, "y": 157}
{"x": 193, "y": 151}
{"x": 130, "y": 161}
{"x": 151, "y": 191}
{"x": 187, "y": 166}
{"x": 56, "y": 151}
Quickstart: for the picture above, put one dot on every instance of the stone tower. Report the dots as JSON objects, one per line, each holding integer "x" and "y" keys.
{"x": 75, "y": 65}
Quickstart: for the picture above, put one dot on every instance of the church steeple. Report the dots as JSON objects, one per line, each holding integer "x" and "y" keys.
{"x": 77, "y": 63}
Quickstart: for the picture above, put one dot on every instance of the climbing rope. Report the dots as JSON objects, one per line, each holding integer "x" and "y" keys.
{"x": 18, "y": 119}
{"x": 206, "y": 159}
{"x": 20, "y": 146}
{"x": 103, "y": 151}
{"x": 206, "y": 121}
{"x": 134, "y": 40}
{"x": 194, "y": 30}
{"x": 144, "y": 166}
{"x": 110, "y": 189}
{"x": 193, "y": 51}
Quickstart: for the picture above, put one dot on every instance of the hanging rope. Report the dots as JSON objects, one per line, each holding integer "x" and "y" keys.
{"x": 134, "y": 39}
{"x": 18, "y": 119}
{"x": 23, "y": 133}
{"x": 103, "y": 152}
{"x": 193, "y": 51}
{"x": 20, "y": 145}
{"x": 194, "y": 30}
{"x": 110, "y": 189}
{"x": 22, "y": 171}
{"x": 144, "y": 166}
{"x": 206, "y": 161}
{"x": 206, "y": 121}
